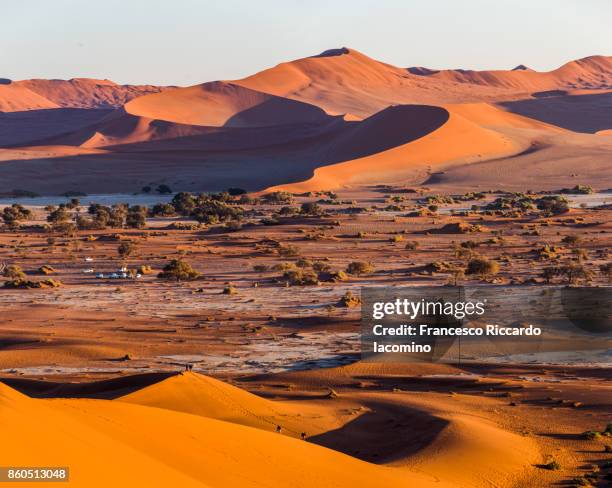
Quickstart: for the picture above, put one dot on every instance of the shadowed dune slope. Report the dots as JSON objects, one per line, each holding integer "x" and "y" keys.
{"x": 144, "y": 446}
{"x": 220, "y": 104}
{"x": 580, "y": 113}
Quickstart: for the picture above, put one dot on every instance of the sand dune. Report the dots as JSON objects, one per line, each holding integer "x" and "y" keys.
{"x": 223, "y": 104}
{"x": 345, "y": 81}
{"x": 133, "y": 441}
{"x": 211, "y": 398}
{"x": 17, "y": 98}
{"x": 468, "y": 135}
{"x": 341, "y": 117}
{"x": 74, "y": 93}
{"x": 593, "y": 72}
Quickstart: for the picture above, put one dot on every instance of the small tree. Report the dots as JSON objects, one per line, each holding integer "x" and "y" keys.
{"x": 580, "y": 254}
{"x": 126, "y": 248}
{"x": 575, "y": 272}
{"x": 136, "y": 217}
{"x": 572, "y": 240}
{"x": 549, "y": 273}
{"x": 178, "y": 270}
{"x": 359, "y": 268}
{"x": 606, "y": 270}
{"x": 58, "y": 215}
{"x": 457, "y": 273}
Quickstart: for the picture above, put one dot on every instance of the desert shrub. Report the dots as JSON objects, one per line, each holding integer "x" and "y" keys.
{"x": 553, "y": 204}
{"x": 303, "y": 263}
{"x": 283, "y": 266}
{"x": 178, "y": 270}
{"x": 288, "y": 251}
{"x": 412, "y": 245}
{"x": 302, "y": 277}
{"x": 578, "y": 190}
{"x": 482, "y": 266}
{"x": 349, "y": 300}
{"x": 13, "y": 272}
{"x": 260, "y": 268}
{"x": 438, "y": 267}
{"x": 359, "y": 268}
{"x": 236, "y": 191}
{"x": 211, "y": 211}
{"x": 311, "y": 208}
{"x": 572, "y": 240}
{"x": 320, "y": 266}
{"x": 145, "y": 269}
{"x": 397, "y": 238}
{"x": 278, "y": 198}
{"x": 591, "y": 435}
{"x": 28, "y": 284}
{"x": 14, "y": 214}
{"x": 287, "y": 210}
{"x": 46, "y": 269}
{"x": 229, "y": 289}
{"x": 547, "y": 252}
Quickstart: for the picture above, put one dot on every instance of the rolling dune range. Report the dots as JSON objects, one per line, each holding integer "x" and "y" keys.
{"x": 328, "y": 121}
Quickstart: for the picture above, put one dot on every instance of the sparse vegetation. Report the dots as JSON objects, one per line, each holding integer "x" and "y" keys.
{"x": 358, "y": 268}
{"x": 178, "y": 270}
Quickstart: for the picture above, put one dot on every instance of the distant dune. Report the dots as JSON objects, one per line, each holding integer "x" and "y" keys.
{"x": 75, "y": 93}
{"x": 335, "y": 119}
{"x": 593, "y": 72}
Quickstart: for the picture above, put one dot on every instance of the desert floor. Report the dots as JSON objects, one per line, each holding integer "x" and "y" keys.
{"x": 99, "y": 362}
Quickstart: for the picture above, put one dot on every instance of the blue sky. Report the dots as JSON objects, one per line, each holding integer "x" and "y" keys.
{"x": 185, "y": 42}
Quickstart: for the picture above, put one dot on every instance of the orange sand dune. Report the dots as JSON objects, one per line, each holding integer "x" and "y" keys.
{"x": 593, "y": 72}
{"x": 75, "y": 93}
{"x": 15, "y": 98}
{"x": 220, "y": 104}
{"x": 345, "y": 81}
{"x": 147, "y": 446}
{"x": 208, "y": 397}
{"x": 469, "y": 135}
